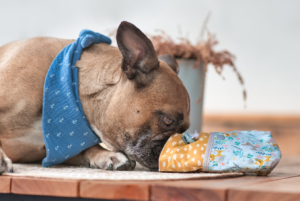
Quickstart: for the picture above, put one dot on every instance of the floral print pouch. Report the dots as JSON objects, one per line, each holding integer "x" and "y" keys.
{"x": 234, "y": 151}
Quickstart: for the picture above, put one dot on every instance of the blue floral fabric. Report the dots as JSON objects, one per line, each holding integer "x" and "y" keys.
{"x": 66, "y": 131}
{"x": 243, "y": 151}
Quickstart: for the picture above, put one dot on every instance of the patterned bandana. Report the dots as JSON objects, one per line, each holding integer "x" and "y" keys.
{"x": 66, "y": 131}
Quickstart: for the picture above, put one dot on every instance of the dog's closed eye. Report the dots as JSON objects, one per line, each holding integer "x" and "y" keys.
{"x": 167, "y": 121}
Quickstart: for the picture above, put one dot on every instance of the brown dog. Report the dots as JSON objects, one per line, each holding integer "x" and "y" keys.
{"x": 132, "y": 100}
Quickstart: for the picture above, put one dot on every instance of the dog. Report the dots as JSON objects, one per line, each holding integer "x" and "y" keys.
{"x": 132, "y": 100}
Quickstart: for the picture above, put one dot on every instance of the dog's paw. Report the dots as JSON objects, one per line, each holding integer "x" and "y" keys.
{"x": 5, "y": 163}
{"x": 112, "y": 161}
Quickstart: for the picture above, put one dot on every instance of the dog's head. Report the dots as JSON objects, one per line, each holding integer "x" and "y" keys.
{"x": 149, "y": 103}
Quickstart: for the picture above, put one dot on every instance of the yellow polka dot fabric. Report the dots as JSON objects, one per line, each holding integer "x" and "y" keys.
{"x": 177, "y": 156}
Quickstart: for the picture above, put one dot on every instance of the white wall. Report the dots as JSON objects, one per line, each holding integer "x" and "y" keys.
{"x": 264, "y": 36}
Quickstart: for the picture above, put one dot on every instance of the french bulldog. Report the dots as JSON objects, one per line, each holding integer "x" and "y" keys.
{"x": 132, "y": 100}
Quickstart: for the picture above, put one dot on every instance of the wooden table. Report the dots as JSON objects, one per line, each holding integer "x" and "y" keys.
{"x": 282, "y": 184}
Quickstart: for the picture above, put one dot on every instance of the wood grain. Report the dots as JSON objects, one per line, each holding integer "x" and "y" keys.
{"x": 285, "y": 189}
{"x": 5, "y": 184}
{"x": 115, "y": 190}
{"x": 254, "y": 119}
{"x": 214, "y": 189}
{"x": 165, "y": 193}
{"x": 46, "y": 187}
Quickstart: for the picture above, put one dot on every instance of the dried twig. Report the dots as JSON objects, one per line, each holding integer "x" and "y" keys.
{"x": 203, "y": 51}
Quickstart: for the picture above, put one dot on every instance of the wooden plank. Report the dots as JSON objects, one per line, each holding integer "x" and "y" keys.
{"x": 290, "y": 169}
{"x": 114, "y": 190}
{"x": 5, "y": 184}
{"x": 46, "y": 187}
{"x": 214, "y": 189}
{"x": 288, "y": 164}
{"x": 251, "y": 119}
{"x": 285, "y": 189}
{"x": 288, "y": 161}
{"x": 165, "y": 193}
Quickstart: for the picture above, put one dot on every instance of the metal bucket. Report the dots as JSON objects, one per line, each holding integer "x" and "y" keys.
{"x": 192, "y": 79}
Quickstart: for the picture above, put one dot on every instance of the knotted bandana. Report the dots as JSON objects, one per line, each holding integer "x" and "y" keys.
{"x": 66, "y": 131}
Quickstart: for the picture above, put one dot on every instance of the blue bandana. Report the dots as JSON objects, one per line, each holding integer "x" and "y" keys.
{"x": 66, "y": 131}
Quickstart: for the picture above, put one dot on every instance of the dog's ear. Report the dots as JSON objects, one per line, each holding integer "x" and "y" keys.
{"x": 171, "y": 61}
{"x": 139, "y": 57}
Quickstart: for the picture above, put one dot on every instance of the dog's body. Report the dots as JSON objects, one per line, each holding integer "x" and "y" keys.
{"x": 132, "y": 101}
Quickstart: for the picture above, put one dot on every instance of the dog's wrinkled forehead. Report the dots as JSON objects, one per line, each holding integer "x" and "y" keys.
{"x": 165, "y": 96}
{"x": 168, "y": 85}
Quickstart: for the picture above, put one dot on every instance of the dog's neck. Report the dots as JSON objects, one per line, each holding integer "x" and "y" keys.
{"x": 99, "y": 75}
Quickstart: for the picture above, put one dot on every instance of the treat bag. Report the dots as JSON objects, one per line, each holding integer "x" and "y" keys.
{"x": 235, "y": 151}
{"x": 177, "y": 156}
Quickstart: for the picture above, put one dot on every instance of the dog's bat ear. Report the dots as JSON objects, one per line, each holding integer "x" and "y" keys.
{"x": 139, "y": 57}
{"x": 171, "y": 61}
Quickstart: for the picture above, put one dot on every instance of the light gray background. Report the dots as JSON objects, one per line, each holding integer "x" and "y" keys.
{"x": 264, "y": 36}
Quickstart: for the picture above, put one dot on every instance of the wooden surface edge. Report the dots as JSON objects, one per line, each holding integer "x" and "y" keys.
{"x": 216, "y": 189}
{"x": 248, "y": 195}
{"x": 5, "y": 184}
{"x": 281, "y": 189}
{"x": 161, "y": 192}
{"x": 45, "y": 187}
{"x": 115, "y": 190}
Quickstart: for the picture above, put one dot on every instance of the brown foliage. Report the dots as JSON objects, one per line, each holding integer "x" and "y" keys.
{"x": 203, "y": 51}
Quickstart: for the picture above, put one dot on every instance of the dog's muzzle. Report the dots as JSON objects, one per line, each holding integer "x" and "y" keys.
{"x": 147, "y": 153}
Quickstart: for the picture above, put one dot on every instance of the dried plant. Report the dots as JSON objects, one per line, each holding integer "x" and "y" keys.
{"x": 203, "y": 51}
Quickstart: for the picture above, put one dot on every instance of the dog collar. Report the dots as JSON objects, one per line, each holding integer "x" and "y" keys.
{"x": 66, "y": 131}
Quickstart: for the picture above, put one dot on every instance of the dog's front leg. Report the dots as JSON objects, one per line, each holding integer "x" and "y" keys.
{"x": 5, "y": 162}
{"x": 98, "y": 157}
